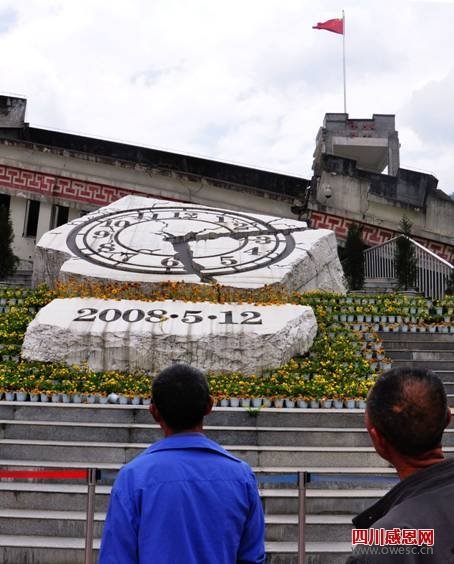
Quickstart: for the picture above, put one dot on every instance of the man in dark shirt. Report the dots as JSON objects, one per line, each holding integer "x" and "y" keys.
{"x": 406, "y": 415}
{"x": 185, "y": 500}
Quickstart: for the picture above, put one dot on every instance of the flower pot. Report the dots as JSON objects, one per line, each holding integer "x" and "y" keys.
{"x": 289, "y": 403}
{"x": 135, "y": 400}
{"x": 360, "y": 318}
{"x": 350, "y": 318}
{"x": 278, "y": 403}
{"x": 91, "y": 398}
{"x": 327, "y": 404}
{"x": 350, "y": 404}
{"x": 266, "y": 402}
{"x": 343, "y": 318}
{"x": 34, "y": 398}
{"x": 338, "y": 404}
{"x": 404, "y": 328}
{"x": 302, "y": 404}
{"x": 21, "y": 396}
{"x": 361, "y": 404}
{"x": 314, "y": 404}
{"x": 413, "y": 329}
{"x": 234, "y": 402}
{"x": 386, "y": 328}
{"x": 224, "y": 402}
{"x": 432, "y": 329}
{"x": 245, "y": 402}
{"x": 123, "y": 400}
{"x": 368, "y": 318}
{"x": 76, "y": 398}
{"x": 44, "y": 398}
{"x": 10, "y": 396}
{"x": 257, "y": 402}
{"x": 65, "y": 398}
{"x": 104, "y": 399}
{"x": 56, "y": 398}
{"x": 377, "y": 319}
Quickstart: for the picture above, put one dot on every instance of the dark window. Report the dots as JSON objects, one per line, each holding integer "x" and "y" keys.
{"x": 31, "y": 218}
{"x": 59, "y": 216}
{"x": 5, "y": 200}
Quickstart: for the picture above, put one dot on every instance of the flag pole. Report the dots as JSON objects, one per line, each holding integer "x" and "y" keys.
{"x": 343, "y": 61}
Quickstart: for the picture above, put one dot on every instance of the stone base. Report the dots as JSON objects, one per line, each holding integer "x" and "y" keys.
{"x": 127, "y": 335}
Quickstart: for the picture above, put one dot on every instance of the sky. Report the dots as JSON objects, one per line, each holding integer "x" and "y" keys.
{"x": 242, "y": 81}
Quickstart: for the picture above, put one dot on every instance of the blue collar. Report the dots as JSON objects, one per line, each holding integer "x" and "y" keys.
{"x": 189, "y": 441}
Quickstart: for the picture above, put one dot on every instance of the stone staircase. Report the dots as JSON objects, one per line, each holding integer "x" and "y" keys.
{"x": 21, "y": 278}
{"x": 43, "y": 522}
{"x": 379, "y": 285}
{"x": 423, "y": 350}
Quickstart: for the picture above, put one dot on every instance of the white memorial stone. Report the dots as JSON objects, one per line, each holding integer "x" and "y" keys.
{"x": 146, "y": 240}
{"x": 126, "y": 335}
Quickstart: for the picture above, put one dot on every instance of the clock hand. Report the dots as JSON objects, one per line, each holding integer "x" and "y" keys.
{"x": 192, "y": 236}
{"x": 183, "y": 253}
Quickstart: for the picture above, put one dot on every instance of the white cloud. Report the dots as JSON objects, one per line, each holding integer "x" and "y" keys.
{"x": 243, "y": 81}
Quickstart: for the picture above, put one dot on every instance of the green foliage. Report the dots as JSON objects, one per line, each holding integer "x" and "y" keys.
{"x": 354, "y": 261}
{"x": 8, "y": 260}
{"x": 450, "y": 284}
{"x": 405, "y": 257}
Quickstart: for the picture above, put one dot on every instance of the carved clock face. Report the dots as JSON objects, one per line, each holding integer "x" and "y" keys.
{"x": 175, "y": 240}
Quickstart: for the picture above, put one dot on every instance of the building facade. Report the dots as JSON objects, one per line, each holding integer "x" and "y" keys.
{"x": 48, "y": 178}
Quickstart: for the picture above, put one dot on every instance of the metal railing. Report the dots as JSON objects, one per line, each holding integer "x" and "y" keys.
{"x": 91, "y": 476}
{"x": 432, "y": 272}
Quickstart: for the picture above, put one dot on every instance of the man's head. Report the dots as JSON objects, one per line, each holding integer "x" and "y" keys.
{"x": 407, "y": 410}
{"x": 181, "y": 398}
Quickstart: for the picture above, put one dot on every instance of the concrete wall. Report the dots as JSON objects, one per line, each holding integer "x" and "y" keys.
{"x": 23, "y": 247}
{"x": 137, "y": 179}
{"x": 382, "y": 200}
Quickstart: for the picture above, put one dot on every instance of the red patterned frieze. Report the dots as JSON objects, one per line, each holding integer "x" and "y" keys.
{"x": 62, "y": 187}
{"x": 374, "y": 235}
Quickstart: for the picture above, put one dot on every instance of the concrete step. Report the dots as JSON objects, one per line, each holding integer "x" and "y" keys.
{"x": 121, "y": 453}
{"x": 417, "y": 337}
{"x": 72, "y": 524}
{"x": 140, "y": 433}
{"x": 434, "y": 365}
{"x": 21, "y": 549}
{"x": 129, "y": 414}
{"x": 411, "y": 345}
{"x": 147, "y": 434}
{"x": 73, "y": 497}
{"x": 424, "y": 355}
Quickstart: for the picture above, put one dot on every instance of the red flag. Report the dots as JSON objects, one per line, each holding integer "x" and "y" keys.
{"x": 336, "y": 26}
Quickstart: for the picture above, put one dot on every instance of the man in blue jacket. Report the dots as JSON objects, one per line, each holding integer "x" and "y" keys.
{"x": 185, "y": 500}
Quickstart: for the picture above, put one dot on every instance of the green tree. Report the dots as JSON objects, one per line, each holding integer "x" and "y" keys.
{"x": 353, "y": 262}
{"x": 450, "y": 284}
{"x": 8, "y": 260}
{"x": 405, "y": 257}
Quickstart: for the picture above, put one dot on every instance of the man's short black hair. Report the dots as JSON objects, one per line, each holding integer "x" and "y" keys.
{"x": 181, "y": 396}
{"x": 409, "y": 408}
